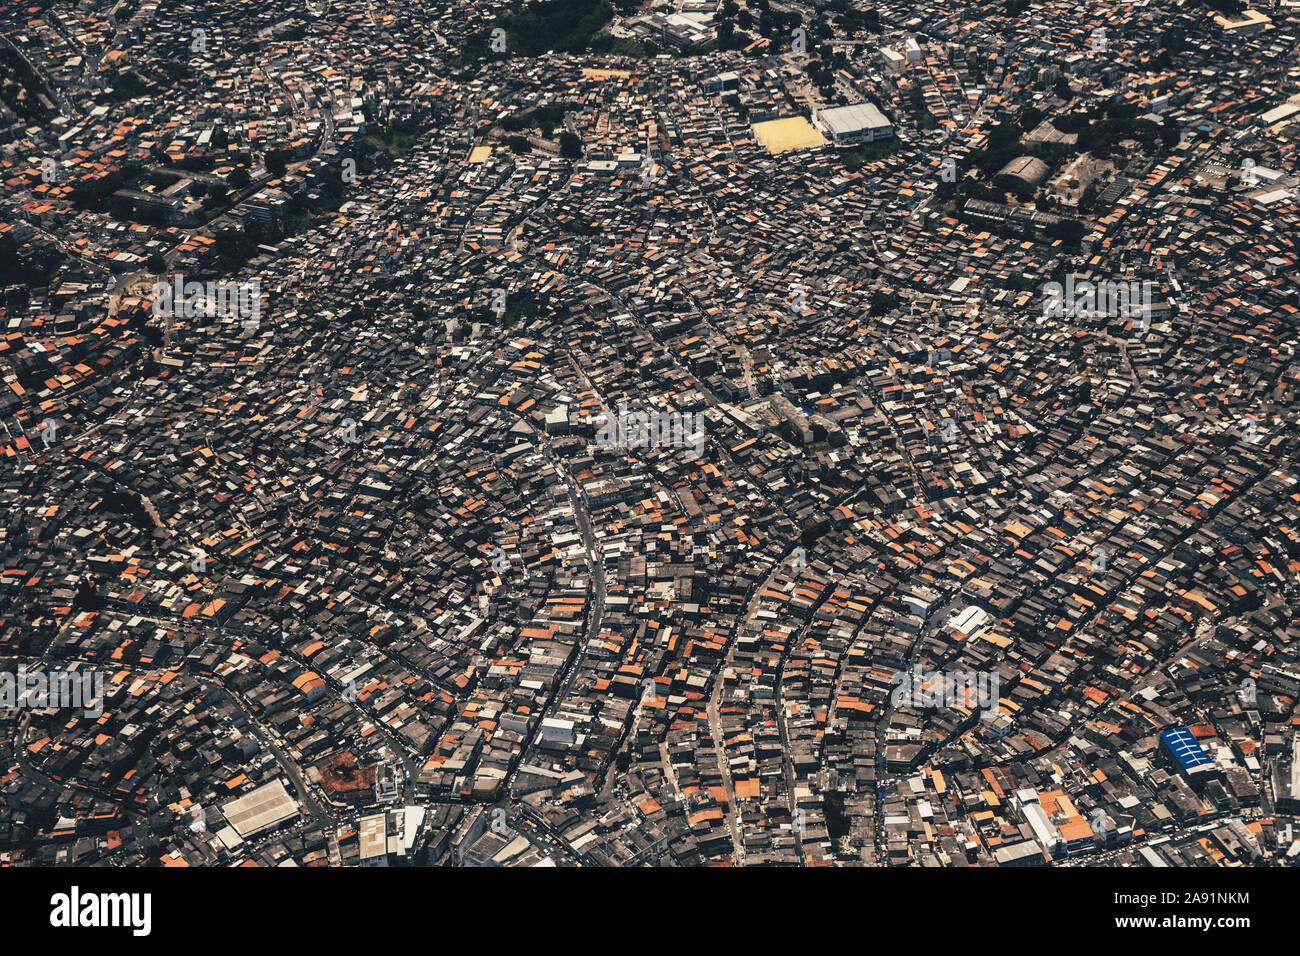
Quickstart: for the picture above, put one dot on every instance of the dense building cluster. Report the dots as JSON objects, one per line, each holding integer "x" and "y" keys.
{"x": 615, "y": 436}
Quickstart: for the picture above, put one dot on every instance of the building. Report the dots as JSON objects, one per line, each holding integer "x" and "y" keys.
{"x": 892, "y": 60}
{"x": 262, "y": 809}
{"x": 721, "y": 82}
{"x": 1029, "y": 170}
{"x": 1045, "y": 132}
{"x": 680, "y": 29}
{"x": 555, "y": 730}
{"x": 168, "y": 207}
{"x": 1250, "y": 21}
{"x": 969, "y": 621}
{"x": 374, "y": 840}
{"x": 1025, "y": 853}
{"x": 1286, "y": 780}
{"x": 1184, "y": 756}
{"x": 858, "y": 123}
{"x": 1045, "y": 832}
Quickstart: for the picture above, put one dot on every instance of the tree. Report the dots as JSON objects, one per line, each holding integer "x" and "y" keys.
{"x": 1169, "y": 134}
{"x": 882, "y": 302}
{"x": 216, "y": 195}
{"x": 277, "y": 161}
{"x": 1089, "y": 198}
{"x": 119, "y": 208}
{"x": 1069, "y": 231}
{"x": 570, "y": 146}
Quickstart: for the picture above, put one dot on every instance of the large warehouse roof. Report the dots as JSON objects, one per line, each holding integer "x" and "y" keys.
{"x": 260, "y": 809}
{"x": 843, "y": 120}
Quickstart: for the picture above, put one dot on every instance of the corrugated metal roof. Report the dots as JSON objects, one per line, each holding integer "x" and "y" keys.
{"x": 1184, "y": 747}
{"x": 842, "y": 120}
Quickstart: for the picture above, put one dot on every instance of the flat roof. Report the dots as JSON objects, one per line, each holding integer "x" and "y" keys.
{"x": 850, "y": 119}
{"x": 374, "y": 836}
{"x": 1295, "y": 767}
{"x": 1275, "y": 195}
{"x": 1247, "y": 18}
{"x": 1279, "y": 113}
{"x": 260, "y": 809}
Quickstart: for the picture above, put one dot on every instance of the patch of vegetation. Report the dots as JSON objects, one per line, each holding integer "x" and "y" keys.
{"x": 1101, "y": 131}
{"x": 1069, "y": 231}
{"x": 162, "y": 177}
{"x": 1003, "y": 146}
{"x": 127, "y": 84}
{"x": 946, "y": 209}
{"x": 177, "y": 69}
{"x": 606, "y": 44}
{"x": 277, "y": 161}
{"x": 787, "y": 431}
{"x": 858, "y": 21}
{"x": 577, "y": 228}
{"x": 883, "y": 302}
{"x": 545, "y": 118}
{"x": 387, "y": 144}
{"x": 859, "y": 156}
{"x": 1234, "y": 7}
{"x": 90, "y": 193}
{"x": 20, "y": 87}
{"x": 837, "y": 824}
{"x": 565, "y": 26}
{"x": 916, "y": 100}
{"x": 1030, "y": 118}
{"x": 521, "y": 306}
{"x": 1024, "y": 193}
{"x": 296, "y": 222}
{"x": 1088, "y": 201}
{"x": 729, "y": 38}
{"x": 1172, "y": 42}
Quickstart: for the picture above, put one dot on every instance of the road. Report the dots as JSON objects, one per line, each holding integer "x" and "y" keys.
{"x": 595, "y": 615}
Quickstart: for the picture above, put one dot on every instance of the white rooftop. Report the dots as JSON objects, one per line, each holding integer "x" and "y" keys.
{"x": 842, "y": 120}
{"x": 260, "y": 809}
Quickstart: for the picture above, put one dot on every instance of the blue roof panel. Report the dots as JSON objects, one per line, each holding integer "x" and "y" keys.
{"x": 1184, "y": 748}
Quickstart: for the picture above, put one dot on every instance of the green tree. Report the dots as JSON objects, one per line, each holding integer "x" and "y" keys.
{"x": 277, "y": 161}
{"x": 1069, "y": 231}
